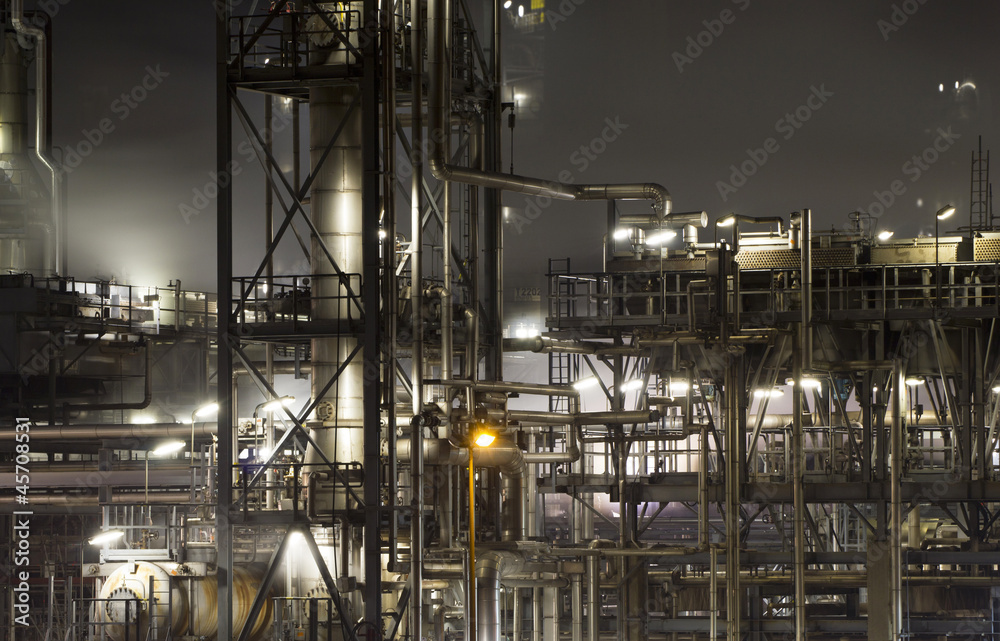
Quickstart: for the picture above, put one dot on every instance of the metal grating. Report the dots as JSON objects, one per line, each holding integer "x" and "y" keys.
{"x": 986, "y": 249}
{"x": 790, "y": 259}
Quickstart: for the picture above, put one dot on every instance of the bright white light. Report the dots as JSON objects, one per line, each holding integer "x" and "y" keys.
{"x": 968, "y": 84}
{"x": 520, "y": 11}
{"x": 521, "y": 332}
{"x": 679, "y": 387}
{"x": 945, "y": 212}
{"x": 586, "y": 383}
{"x": 520, "y": 97}
{"x": 263, "y": 287}
{"x": 768, "y": 393}
{"x": 941, "y": 87}
{"x": 264, "y": 453}
{"x": 996, "y": 390}
{"x": 207, "y": 410}
{"x": 811, "y": 383}
{"x": 296, "y": 538}
{"x": 106, "y": 537}
{"x": 726, "y": 222}
{"x": 277, "y": 403}
{"x": 957, "y": 84}
{"x": 622, "y": 233}
{"x": 144, "y": 419}
{"x": 885, "y": 235}
{"x": 382, "y": 234}
{"x": 168, "y": 448}
{"x": 913, "y": 381}
{"x": 485, "y": 439}
{"x": 634, "y": 384}
{"x": 506, "y": 5}
{"x": 244, "y": 454}
{"x": 660, "y": 237}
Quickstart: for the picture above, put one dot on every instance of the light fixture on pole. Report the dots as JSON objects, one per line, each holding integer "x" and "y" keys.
{"x": 942, "y": 214}
{"x": 164, "y": 449}
{"x": 106, "y": 537}
{"x": 274, "y": 404}
{"x": 202, "y": 412}
{"x": 481, "y": 438}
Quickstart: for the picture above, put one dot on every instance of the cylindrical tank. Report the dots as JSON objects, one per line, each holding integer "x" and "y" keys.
{"x": 26, "y": 243}
{"x": 185, "y": 605}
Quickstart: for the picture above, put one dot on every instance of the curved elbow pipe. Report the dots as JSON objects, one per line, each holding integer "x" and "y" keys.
{"x": 439, "y": 26}
{"x": 490, "y": 569}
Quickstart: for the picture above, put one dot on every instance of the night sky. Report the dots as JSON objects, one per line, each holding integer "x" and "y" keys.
{"x": 819, "y": 104}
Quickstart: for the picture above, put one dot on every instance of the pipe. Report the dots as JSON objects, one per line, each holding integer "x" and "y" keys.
{"x": 545, "y": 345}
{"x": 93, "y": 500}
{"x": 439, "y": 110}
{"x": 472, "y": 348}
{"x": 807, "y": 281}
{"x": 97, "y": 432}
{"x": 895, "y": 496}
{"x": 490, "y": 568}
{"x": 694, "y": 218}
{"x": 42, "y": 119}
{"x": 147, "y": 397}
{"x": 798, "y": 495}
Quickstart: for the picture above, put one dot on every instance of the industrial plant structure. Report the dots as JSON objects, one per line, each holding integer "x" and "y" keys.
{"x": 784, "y": 433}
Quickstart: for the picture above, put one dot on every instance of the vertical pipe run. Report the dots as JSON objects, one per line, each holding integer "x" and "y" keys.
{"x": 416, "y": 302}
{"x": 798, "y": 498}
{"x": 806, "y": 336}
{"x": 43, "y": 117}
{"x": 895, "y": 495}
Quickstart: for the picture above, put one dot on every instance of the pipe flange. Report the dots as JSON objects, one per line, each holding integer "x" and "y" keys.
{"x": 123, "y": 605}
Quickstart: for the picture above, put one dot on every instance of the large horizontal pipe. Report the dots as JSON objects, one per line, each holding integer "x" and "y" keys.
{"x": 71, "y": 501}
{"x": 512, "y": 387}
{"x": 584, "y": 418}
{"x": 696, "y": 218}
{"x": 544, "y": 345}
{"x": 109, "y": 432}
{"x": 159, "y": 476}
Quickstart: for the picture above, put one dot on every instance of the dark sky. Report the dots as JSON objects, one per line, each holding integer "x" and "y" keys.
{"x": 876, "y": 103}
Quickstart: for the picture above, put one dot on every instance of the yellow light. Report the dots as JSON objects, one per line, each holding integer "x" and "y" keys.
{"x": 913, "y": 381}
{"x": 885, "y": 235}
{"x": 485, "y": 439}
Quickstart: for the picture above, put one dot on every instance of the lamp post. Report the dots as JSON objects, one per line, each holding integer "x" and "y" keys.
{"x": 167, "y": 448}
{"x": 734, "y": 220}
{"x": 201, "y": 412}
{"x": 482, "y": 438}
{"x": 942, "y": 214}
{"x": 268, "y": 407}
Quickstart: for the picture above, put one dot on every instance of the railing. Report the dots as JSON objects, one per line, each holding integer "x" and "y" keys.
{"x": 107, "y": 307}
{"x": 294, "y": 299}
{"x": 677, "y": 298}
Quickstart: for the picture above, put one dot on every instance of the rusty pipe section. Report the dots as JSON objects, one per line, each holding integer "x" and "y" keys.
{"x": 439, "y": 112}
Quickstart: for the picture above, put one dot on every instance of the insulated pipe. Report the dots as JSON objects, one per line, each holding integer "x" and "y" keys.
{"x": 895, "y": 494}
{"x": 798, "y": 496}
{"x": 807, "y": 300}
{"x": 42, "y": 118}
{"x": 439, "y": 110}
{"x": 92, "y": 500}
{"x": 695, "y": 218}
{"x": 472, "y": 347}
{"x": 91, "y": 433}
{"x": 545, "y": 345}
{"x": 490, "y": 568}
